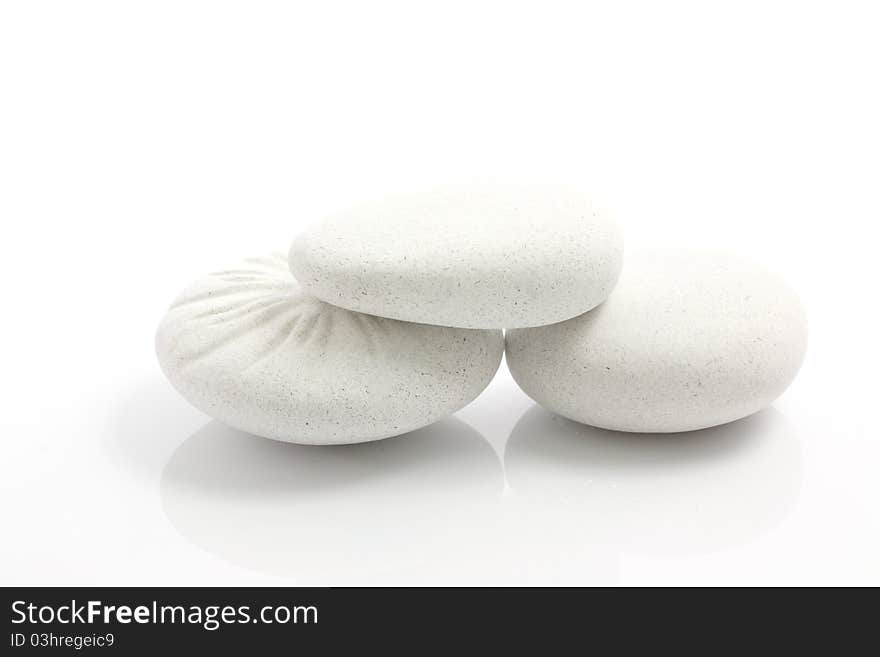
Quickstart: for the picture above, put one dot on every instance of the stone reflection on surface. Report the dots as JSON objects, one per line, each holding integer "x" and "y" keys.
{"x": 434, "y": 506}
{"x": 653, "y": 493}
{"x": 421, "y": 503}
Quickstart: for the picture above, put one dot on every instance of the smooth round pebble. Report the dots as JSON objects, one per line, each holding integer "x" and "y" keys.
{"x": 487, "y": 256}
{"x": 248, "y": 347}
{"x": 687, "y": 340}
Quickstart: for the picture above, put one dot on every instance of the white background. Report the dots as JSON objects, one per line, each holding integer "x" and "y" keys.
{"x": 143, "y": 144}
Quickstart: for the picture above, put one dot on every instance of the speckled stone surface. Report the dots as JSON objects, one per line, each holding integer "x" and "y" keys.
{"x": 687, "y": 340}
{"x": 249, "y": 348}
{"x": 486, "y": 256}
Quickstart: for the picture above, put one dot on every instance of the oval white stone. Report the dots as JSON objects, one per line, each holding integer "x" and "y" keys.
{"x": 686, "y": 341}
{"x": 249, "y": 348}
{"x": 491, "y": 256}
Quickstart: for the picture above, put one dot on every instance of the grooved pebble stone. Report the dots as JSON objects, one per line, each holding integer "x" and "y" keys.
{"x": 686, "y": 341}
{"x": 249, "y": 348}
{"x": 487, "y": 256}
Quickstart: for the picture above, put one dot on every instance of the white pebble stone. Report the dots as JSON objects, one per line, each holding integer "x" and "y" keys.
{"x": 687, "y": 340}
{"x": 482, "y": 256}
{"x": 249, "y": 348}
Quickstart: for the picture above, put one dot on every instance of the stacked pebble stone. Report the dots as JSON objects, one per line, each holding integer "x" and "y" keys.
{"x": 388, "y": 317}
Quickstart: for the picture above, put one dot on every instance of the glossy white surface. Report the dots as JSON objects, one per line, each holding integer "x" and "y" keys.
{"x": 141, "y": 148}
